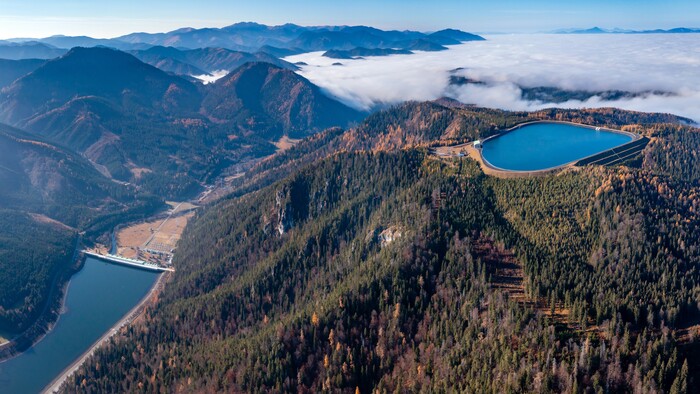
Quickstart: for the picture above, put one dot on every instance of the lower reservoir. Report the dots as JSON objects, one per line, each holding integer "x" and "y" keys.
{"x": 544, "y": 145}
{"x": 98, "y": 297}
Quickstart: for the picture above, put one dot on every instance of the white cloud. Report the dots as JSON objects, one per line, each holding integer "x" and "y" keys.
{"x": 211, "y": 78}
{"x": 635, "y": 63}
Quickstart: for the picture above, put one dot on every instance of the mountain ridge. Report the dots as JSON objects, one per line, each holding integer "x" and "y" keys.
{"x": 255, "y": 87}
{"x": 599, "y": 30}
{"x": 206, "y": 60}
{"x": 126, "y": 115}
{"x": 29, "y": 50}
{"x": 254, "y": 37}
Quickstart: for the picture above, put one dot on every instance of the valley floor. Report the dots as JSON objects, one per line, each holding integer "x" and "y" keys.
{"x": 155, "y": 235}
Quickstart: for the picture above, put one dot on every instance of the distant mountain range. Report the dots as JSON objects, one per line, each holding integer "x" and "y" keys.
{"x": 29, "y": 50}
{"x": 194, "y": 52}
{"x": 362, "y": 52}
{"x": 253, "y": 37}
{"x": 598, "y": 30}
{"x": 278, "y": 41}
{"x": 16, "y": 59}
{"x": 204, "y": 60}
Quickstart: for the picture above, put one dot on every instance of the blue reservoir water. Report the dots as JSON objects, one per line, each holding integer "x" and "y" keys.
{"x": 98, "y": 297}
{"x": 545, "y": 145}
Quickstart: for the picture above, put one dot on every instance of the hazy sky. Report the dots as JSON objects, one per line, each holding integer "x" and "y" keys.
{"x": 110, "y": 18}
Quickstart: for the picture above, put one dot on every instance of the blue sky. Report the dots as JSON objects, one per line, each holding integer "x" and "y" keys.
{"x": 110, "y": 18}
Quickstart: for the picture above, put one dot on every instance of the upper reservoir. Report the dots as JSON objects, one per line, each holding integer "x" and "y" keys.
{"x": 545, "y": 145}
{"x": 98, "y": 297}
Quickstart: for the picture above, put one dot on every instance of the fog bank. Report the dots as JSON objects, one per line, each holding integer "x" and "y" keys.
{"x": 665, "y": 68}
{"x": 211, "y": 78}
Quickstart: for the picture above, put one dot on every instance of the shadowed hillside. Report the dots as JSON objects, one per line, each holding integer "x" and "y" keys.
{"x": 49, "y": 195}
{"x": 10, "y": 70}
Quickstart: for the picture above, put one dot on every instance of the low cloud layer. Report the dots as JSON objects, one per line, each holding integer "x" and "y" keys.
{"x": 211, "y": 78}
{"x": 667, "y": 64}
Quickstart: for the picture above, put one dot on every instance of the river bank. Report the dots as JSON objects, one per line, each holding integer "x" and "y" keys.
{"x": 131, "y": 316}
{"x": 75, "y": 321}
{"x": 98, "y": 297}
{"x": 50, "y": 312}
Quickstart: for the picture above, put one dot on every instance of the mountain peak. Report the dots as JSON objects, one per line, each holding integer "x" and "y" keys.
{"x": 457, "y": 35}
{"x": 97, "y": 53}
{"x": 276, "y": 101}
{"x": 98, "y": 71}
{"x": 246, "y": 25}
{"x": 262, "y": 66}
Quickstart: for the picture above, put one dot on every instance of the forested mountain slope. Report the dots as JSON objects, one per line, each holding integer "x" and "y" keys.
{"x": 160, "y": 131}
{"x": 48, "y": 196}
{"x": 269, "y": 101}
{"x": 109, "y": 106}
{"x": 377, "y": 266}
{"x": 13, "y": 69}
